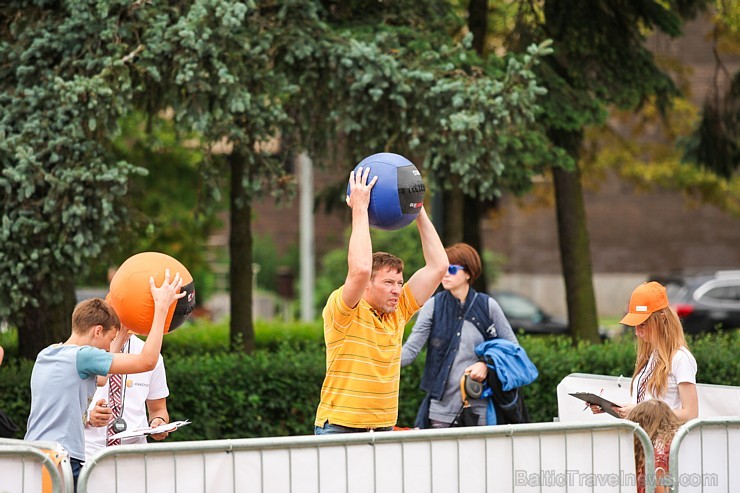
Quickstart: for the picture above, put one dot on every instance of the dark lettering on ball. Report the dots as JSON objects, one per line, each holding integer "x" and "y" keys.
{"x": 418, "y": 188}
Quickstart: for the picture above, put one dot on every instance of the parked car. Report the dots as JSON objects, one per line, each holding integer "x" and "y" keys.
{"x": 705, "y": 302}
{"x": 525, "y": 314}
{"x": 86, "y": 293}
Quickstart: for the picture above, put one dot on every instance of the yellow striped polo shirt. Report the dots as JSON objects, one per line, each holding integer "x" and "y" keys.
{"x": 363, "y": 362}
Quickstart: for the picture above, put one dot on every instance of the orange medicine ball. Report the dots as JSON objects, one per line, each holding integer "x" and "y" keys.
{"x": 131, "y": 297}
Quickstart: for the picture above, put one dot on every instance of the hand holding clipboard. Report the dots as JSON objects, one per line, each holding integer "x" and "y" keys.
{"x": 596, "y": 400}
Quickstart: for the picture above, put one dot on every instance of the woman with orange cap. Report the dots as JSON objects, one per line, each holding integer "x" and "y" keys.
{"x": 665, "y": 369}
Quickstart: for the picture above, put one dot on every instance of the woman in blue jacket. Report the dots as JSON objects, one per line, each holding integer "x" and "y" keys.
{"x": 453, "y": 323}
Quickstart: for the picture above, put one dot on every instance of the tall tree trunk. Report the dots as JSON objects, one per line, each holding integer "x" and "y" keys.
{"x": 240, "y": 256}
{"x": 48, "y": 324}
{"x": 462, "y": 224}
{"x": 575, "y": 250}
{"x": 454, "y": 209}
{"x": 478, "y": 24}
{"x": 472, "y": 209}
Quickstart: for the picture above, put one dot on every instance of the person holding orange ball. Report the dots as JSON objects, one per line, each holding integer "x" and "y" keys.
{"x": 64, "y": 376}
{"x": 139, "y": 399}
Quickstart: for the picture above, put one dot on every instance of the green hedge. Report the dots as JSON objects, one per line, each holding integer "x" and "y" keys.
{"x": 275, "y": 391}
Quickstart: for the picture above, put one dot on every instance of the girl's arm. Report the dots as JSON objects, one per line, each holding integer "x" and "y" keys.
{"x": 689, "y": 402}
{"x": 503, "y": 327}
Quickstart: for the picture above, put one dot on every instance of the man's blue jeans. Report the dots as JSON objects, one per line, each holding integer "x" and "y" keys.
{"x": 331, "y": 429}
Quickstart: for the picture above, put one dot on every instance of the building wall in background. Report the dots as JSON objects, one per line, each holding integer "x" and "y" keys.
{"x": 633, "y": 234}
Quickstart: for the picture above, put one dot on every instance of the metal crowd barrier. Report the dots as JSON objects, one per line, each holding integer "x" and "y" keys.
{"x": 22, "y": 465}
{"x": 538, "y": 457}
{"x": 705, "y": 455}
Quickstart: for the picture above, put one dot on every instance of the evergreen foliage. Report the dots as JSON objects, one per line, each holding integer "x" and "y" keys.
{"x": 65, "y": 82}
{"x": 240, "y": 74}
{"x": 170, "y": 209}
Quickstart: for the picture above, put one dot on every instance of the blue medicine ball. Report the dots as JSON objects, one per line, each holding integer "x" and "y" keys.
{"x": 397, "y": 196}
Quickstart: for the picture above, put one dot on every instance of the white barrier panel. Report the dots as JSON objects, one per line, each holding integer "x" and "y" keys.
{"x": 542, "y": 457}
{"x": 714, "y": 400}
{"x": 22, "y": 462}
{"x": 705, "y": 455}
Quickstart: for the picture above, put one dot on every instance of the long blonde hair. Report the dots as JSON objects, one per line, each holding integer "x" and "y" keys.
{"x": 659, "y": 422}
{"x": 667, "y": 338}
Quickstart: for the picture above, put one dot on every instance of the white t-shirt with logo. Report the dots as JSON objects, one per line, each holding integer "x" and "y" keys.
{"x": 140, "y": 387}
{"x": 683, "y": 369}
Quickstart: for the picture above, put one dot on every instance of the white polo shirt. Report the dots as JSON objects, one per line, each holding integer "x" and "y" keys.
{"x": 139, "y": 388}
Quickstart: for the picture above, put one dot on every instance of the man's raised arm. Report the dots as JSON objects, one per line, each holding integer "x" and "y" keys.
{"x": 425, "y": 280}
{"x": 360, "y": 251}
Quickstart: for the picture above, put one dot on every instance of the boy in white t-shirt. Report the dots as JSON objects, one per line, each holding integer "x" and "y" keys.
{"x": 144, "y": 393}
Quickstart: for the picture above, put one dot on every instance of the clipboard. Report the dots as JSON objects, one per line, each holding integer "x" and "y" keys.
{"x": 606, "y": 405}
{"x": 137, "y": 432}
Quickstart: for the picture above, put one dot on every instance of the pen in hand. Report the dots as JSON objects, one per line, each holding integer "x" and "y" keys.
{"x": 588, "y": 404}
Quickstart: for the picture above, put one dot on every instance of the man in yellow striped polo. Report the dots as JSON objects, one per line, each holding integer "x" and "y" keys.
{"x": 364, "y": 321}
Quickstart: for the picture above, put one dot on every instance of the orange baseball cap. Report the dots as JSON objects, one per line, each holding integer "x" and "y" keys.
{"x": 647, "y": 298}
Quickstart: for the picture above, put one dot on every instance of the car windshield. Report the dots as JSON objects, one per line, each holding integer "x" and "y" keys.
{"x": 518, "y": 307}
{"x": 675, "y": 291}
